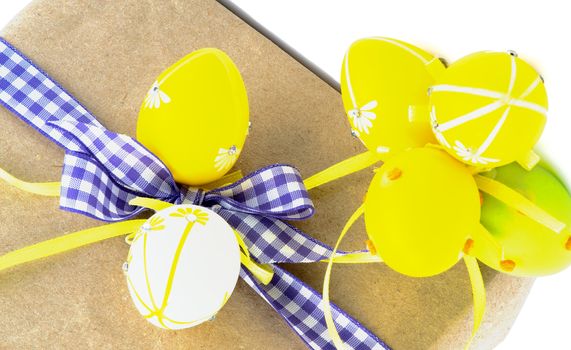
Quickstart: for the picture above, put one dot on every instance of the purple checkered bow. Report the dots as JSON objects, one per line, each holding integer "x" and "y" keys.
{"x": 103, "y": 171}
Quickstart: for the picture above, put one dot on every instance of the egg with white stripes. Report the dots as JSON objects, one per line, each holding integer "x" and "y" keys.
{"x": 182, "y": 266}
{"x": 489, "y": 109}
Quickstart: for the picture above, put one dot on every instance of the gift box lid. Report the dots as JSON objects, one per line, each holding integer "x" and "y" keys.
{"x": 107, "y": 54}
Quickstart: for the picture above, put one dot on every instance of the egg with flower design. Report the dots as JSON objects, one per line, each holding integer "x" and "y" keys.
{"x": 182, "y": 267}
{"x": 383, "y": 86}
{"x": 195, "y": 117}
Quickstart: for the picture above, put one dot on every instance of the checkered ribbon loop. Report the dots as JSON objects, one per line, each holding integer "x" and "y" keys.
{"x": 276, "y": 191}
{"x": 110, "y": 171}
{"x": 271, "y": 240}
{"x": 103, "y": 171}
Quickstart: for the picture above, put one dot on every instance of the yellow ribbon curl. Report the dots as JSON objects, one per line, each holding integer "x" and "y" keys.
{"x": 476, "y": 281}
{"x": 68, "y": 242}
{"x": 50, "y": 189}
{"x": 342, "y": 169}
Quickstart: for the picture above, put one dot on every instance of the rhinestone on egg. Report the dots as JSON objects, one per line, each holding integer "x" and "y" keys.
{"x": 354, "y": 133}
{"x": 146, "y": 226}
{"x": 232, "y": 150}
{"x": 444, "y": 61}
{"x": 125, "y": 267}
{"x": 512, "y": 53}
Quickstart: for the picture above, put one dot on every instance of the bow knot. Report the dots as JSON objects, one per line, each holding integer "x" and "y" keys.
{"x": 191, "y": 195}
{"x": 276, "y": 191}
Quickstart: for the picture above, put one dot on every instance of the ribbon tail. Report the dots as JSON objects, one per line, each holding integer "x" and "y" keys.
{"x": 478, "y": 293}
{"x": 49, "y": 189}
{"x": 302, "y": 308}
{"x": 68, "y": 242}
{"x": 328, "y": 314}
{"x": 88, "y": 189}
{"x": 342, "y": 169}
{"x": 56, "y": 102}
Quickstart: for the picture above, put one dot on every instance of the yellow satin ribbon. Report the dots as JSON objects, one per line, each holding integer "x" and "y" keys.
{"x": 331, "y": 329}
{"x": 68, "y": 242}
{"x": 263, "y": 272}
{"x": 519, "y": 202}
{"x": 529, "y": 160}
{"x": 365, "y": 257}
{"x": 150, "y": 203}
{"x": 478, "y": 295}
{"x": 343, "y": 168}
{"x": 50, "y": 189}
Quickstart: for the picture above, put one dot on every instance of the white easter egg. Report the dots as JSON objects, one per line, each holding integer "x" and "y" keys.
{"x": 182, "y": 266}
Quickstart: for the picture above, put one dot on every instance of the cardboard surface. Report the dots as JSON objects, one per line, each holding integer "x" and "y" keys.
{"x": 108, "y": 53}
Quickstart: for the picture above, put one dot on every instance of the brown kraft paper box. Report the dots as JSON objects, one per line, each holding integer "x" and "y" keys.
{"x": 107, "y": 54}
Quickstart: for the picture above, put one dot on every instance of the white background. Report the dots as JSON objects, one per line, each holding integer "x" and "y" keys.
{"x": 322, "y": 30}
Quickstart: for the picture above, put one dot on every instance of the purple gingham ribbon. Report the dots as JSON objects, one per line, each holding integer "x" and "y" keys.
{"x": 103, "y": 171}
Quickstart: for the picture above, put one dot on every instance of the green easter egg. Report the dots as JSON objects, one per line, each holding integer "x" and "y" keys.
{"x": 535, "y": 249}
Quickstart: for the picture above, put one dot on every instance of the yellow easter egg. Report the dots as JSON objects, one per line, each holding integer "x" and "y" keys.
{"x": 195, "y": 117}
{"x": 421, "y": 207}
{"x": 384, "y": 84}
{"x": 489, "y": 109}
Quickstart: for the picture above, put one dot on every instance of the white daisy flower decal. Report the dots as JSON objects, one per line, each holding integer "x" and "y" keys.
{"x": 468, "y": 155}
{"x": 155, "y": 96}
{"x": 436, "y": 129}
{"x": 226, "y": 158}
{"x": 191, "y": 215}
{"x": 362, "y": 117}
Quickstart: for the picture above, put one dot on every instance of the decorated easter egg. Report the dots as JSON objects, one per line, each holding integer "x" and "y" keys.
{"x": 182, "y": 266}
{"x": 489, "y": 109}
{"x": 535, "y": 249}
{"x": 195, "y": 117}
{"x": 420, "y": 209}
{"x": 384, "y": 86}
